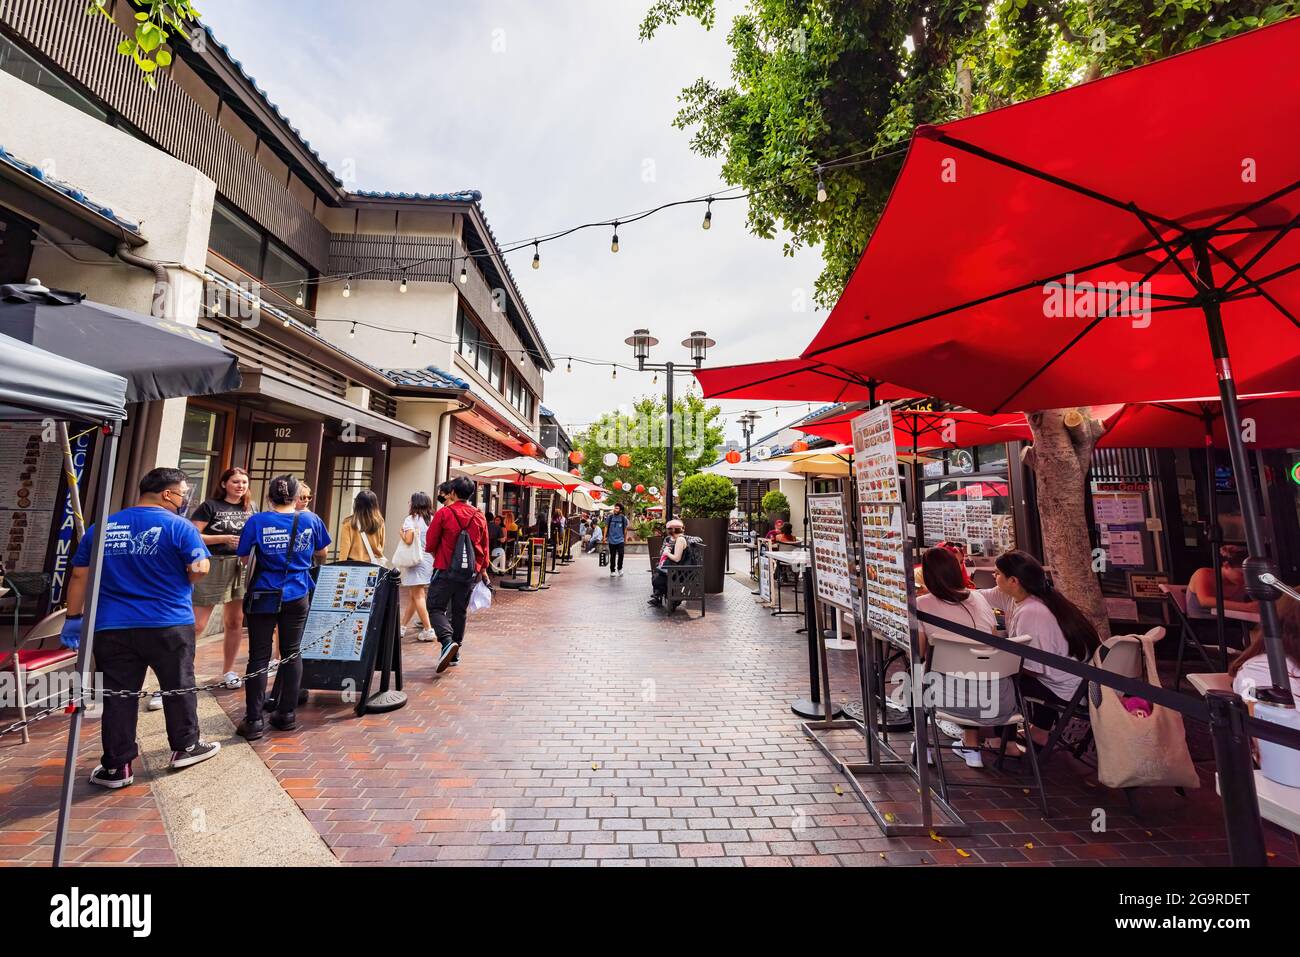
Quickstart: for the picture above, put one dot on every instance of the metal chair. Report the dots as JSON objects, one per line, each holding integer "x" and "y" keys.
{"x": 31, "y": 662}
{"x": 1177, "y": 595}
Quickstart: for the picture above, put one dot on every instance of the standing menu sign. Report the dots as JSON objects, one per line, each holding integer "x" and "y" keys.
{"x": 880, "y": 503}
{"x": 340, "y": 613}
{"x": 765, "y": 570}
{"x": 830, "y": 549}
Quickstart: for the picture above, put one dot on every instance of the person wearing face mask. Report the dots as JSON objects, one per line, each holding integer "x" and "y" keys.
{"x": 145, "y": 619}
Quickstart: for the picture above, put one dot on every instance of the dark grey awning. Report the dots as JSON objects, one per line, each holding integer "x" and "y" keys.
{"x": 35, "y": 385}
{"x": 159, "y": 359}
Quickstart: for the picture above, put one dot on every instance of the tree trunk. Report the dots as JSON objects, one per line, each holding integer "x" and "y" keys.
{"x": 1060, "y": 458}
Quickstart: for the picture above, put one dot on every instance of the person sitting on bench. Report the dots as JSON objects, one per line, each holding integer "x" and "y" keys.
{"x": 673, "y": 552}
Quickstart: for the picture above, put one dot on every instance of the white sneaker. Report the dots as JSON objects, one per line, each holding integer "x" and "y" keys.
{"x": 620, "y": 573}
{"x": 232, "y": 680}
{"x": 929, "y": 755}
{"x": 427, "y": 635}
{"x": 155, "y": 702}
{"x": 973, "y": 757}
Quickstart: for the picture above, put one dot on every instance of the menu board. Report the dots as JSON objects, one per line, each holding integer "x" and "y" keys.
{"x": 1123, "y": 545}
{"x": 340, "y": 612}
{"x": 765, "y": 573}
{"x": 830, "y": 549}
{"x": 970, "y": 521}
{"x": 29, "y": 488}
{"x": 880, "y": 497}
{"x": 1119, "y": 508}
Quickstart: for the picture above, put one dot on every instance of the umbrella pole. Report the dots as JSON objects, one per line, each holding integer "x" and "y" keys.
{"x": 85, "y": 655}
{"x": 1216, "y": 540}
{"x": 1257, "y": 563}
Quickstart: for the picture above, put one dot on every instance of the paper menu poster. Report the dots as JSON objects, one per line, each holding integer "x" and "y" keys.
{"x": 1119, "y": 508}
{"x": 340, "y": 612}
{"x": 830, "y": 552}
{"x": 884, "y": 568}
{"x": 875, "y": 457}
{"x": 29, "y": 487}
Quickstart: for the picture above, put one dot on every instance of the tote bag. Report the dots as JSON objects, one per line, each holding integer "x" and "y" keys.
{"x": 1135, "y": 751}
{"x": 408, "y": 555}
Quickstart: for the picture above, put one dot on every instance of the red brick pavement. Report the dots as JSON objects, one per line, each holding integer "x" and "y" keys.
{"x": 585, "y": 728}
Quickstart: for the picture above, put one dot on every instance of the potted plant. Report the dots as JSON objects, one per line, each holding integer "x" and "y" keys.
{"x": 707, "y": 502}
{"x": 776, "y": 505}
{"x": 651, "y": 531}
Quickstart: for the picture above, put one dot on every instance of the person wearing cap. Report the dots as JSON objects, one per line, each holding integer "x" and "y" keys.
{"x": 672, "y": 553}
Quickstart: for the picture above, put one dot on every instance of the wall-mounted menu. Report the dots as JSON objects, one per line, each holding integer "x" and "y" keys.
{"x": 29, "y": 489}
{"x": 885, "y": 573}
{"x": 830, "y": 549}
{"x": 970, "y": 521}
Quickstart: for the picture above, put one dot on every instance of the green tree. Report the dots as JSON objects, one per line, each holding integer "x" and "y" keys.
{"x": 156, "y": 22}
{"x": 639, "y": 432}
{"x": 828, "y": 91}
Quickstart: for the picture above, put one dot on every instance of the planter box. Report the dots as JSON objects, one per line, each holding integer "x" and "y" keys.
{"x": 713, "y": 532}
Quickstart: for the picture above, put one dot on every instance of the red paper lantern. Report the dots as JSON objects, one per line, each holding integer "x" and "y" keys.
{"x": 733, "y": 457}
{"x": 530, "y": 449}
{"x": 618, "y": 486}
{"x": 625, "y": 461}
{"x": 597, "y": 495}
{"x": 640, "y": 490}
{"x": 575, "y": 471}
{"x": 576, "y": 456}
{"x": 800, "y": 446}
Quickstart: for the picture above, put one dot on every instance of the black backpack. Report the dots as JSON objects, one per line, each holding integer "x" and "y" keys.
{"x": 694, "y": 554}
{"x": 464, "y": 564}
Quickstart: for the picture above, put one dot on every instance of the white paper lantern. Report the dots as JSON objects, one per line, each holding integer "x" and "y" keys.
{"x": 599, "y": 480}
{"x": 552, "y": 452}
{"x": 610, "y": 460}
{"x": 653, "y": 490}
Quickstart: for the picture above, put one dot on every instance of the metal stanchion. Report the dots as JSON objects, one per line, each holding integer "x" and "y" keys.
{"x": 1236, "y": 779}
{"x": 812, "y": 707}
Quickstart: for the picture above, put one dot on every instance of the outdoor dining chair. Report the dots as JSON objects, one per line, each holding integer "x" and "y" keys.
{"x": 30, "y": 659}
{"x": 1177, "y": 595}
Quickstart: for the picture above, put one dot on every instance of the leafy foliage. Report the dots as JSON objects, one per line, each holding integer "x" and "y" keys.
{"x": 156, "y": 22}
{"x": 775, "y": 503}
{"x": 707, "y": 496}
{"x": 813, "y": 81}
{"x": 637, "y": 432}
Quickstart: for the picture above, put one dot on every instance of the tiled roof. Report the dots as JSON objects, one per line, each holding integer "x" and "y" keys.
{"x": 430, "y": 377}
{"x": 68, "y": 190}
{"x": 460, "y": 196}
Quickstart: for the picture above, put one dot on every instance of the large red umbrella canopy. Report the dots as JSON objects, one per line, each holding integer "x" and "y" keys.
{"x": 795, "y": 380}
{"x": 925, "y": 429}
{"x": 1268, "y": 422}
{"x": 1127, "y": 179}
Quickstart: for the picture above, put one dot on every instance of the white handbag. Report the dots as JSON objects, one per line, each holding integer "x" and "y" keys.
{"x": 409, "y": 554}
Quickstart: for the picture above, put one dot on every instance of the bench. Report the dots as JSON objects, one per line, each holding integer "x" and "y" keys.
{"x": 685, "y": 584}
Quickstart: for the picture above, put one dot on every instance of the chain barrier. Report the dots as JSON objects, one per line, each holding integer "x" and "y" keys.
{"x": 79, "y": 700}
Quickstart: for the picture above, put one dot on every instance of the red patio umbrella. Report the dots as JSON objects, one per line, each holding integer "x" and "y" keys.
{"x": 796, "y": 380}
{"x": 1026, "y": 259}
{"x": 919, "y": 430}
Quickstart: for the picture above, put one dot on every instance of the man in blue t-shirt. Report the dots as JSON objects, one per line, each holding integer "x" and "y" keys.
{"x": 144, "y": 619}
{"x": 616, "y": 536}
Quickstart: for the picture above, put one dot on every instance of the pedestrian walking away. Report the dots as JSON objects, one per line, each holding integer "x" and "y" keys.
{"x": 416, "y": 577}
{"x": 458, "y": 541}
{"x": 279, "y": 545}
{"x": 152, "y": 556}
{"x": 616, "y": 539}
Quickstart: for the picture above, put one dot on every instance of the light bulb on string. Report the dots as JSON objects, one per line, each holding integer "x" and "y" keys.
{"x": 614, "y": 374}
{"x": 347, "y": 288}
{"x": 569, "y": 366}
{"x": 655, "y": 380}
{"x": 302, "y": 294}
{"x": 414, "y": 343}
{"x": 522, "y": 357}
{"x": 402, "y": 286}
{"x": 613, "y": 246}
{"x": 821, "y": 187}
{"x": 464, "y": 276}
{"x": 352, "y": 333}
{"x": 708, "y": 215}
{"x": 537, "y": 257}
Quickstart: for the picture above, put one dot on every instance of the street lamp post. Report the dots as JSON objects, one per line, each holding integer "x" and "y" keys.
{"x": 747, "y": 423}
{"x": 699, "y": 345}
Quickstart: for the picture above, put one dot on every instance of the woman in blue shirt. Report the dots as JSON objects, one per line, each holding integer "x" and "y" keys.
{"x": 280, "y": 545}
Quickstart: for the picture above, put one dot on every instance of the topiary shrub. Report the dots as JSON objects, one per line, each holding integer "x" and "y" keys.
{"x": 775, "y": 503}
{"x": 707, "y": 496}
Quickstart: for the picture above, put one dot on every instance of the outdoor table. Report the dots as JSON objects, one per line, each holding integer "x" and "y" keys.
{"x": 798, "y": 561}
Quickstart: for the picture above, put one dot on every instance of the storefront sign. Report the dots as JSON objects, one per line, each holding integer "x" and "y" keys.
{"x": 1147, "y": 586}
{"x": 65, "y": 544}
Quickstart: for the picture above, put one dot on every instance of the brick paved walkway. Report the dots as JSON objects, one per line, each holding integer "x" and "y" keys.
{"x": 583, "y": 728}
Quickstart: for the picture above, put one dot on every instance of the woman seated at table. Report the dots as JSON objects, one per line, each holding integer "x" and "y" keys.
{"x": 780, "y": 534}
{"x": 1201, "y": 596}
{"x": 1035, "y": 609}
{"x": 1250, "y": 671}
{"x": 948, "y": 596}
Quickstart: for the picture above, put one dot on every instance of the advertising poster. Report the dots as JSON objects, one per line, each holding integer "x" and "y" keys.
{"x": 765, "y": 572}
{"x": 30, "y": 472}
{"x": 830, "y": 549}
{"x": 880, "y": 499}
{"x": 340, "y": 612}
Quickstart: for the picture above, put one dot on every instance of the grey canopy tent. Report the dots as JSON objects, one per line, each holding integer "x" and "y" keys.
{"x": 36, "y": 385}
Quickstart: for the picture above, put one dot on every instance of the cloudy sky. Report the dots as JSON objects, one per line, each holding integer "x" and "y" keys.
{"x": 560, "y": 115}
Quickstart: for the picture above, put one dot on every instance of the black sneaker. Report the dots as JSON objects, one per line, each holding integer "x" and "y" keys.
{"x": 656, "y": 600}
{"x": 449, "y": 651}
{"x": 196, "y": 752}
{"x": 455, "y": 661}
{"x": 251, "y": 730}
{"x": 284, "y": 722}
{"x": 112, "y": 778}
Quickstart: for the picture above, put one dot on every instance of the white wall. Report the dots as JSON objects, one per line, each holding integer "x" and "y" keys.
{"x": 426, "y": 306}
{"x": 412, "y": 469}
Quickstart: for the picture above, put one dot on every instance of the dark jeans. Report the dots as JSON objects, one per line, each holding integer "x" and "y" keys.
{"x": 1031, "y": 686}
{"x": 290, "y": 623}
{"x": 616, "y": 557}
{"x": 448, "y": 604}
{"x": 122, "y": 657}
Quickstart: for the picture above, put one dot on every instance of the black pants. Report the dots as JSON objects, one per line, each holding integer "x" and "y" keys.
{"x": 1041, "y": 716}
{"x": 122, "y": 657}
{"x": 290, "y": 623}
{"x": 616, "y": 557}
{"x": 448, "y": 605}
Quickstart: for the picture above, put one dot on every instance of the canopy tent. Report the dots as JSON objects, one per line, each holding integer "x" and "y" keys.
{"x": 36, "y": 385}
{"x": 159, "y": 359}
{"x": 1064, "y": 276}
{"x": 795, "y": 380}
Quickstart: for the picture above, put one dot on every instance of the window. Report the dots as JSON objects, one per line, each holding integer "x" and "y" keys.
{"x": 282, "y": 270}
{"x": 15, "y": 61}
{"x": 467, "y": 333}
{"x": 202, "y": 439}
{"x": 235, "y": 240}
{"x": 498, "y": 371}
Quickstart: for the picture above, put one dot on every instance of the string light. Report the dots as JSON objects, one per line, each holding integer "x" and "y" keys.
{"x": 302, "y": 294}
{"x": 352, "y": 333}
{"x": 537, "y": 257}
{"x": 613, "y": 246}
{"x": 708, "y": 214}
{"x": 821, "y": 186}
{"x": 402, "y": 286}
{"x": 413, "y": 340}
{"x": 569, "y": 367}
{"x": 614, "y": 374}
{"x": 655, "y": 381}
{"x": 347, "y": 288}
{"x": 464, "y": 276}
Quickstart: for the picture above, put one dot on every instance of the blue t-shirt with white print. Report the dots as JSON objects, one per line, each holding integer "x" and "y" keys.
{"x": 276, "y": 569}
{"x": 145, "y": 583}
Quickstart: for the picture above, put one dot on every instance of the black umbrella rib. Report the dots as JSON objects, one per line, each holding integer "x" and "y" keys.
{"x": 1277, "y": 194}
{"x": 1074, "y": 342}
{"x": 982, "y": 300}
{"x": 1256, "y": 285}
{"x": 1170, "y": 252}
{"x": 1051, "y": 178}
{"x": 1239, "y": 272}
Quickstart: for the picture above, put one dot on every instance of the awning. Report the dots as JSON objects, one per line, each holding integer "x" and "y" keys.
{"x": 259, "y": 382}
{"x": 35, "y": 385}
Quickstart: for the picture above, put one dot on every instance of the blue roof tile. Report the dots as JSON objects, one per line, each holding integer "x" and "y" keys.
{"x": 430, "y": 377}
{"x": 68, "y": 190}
